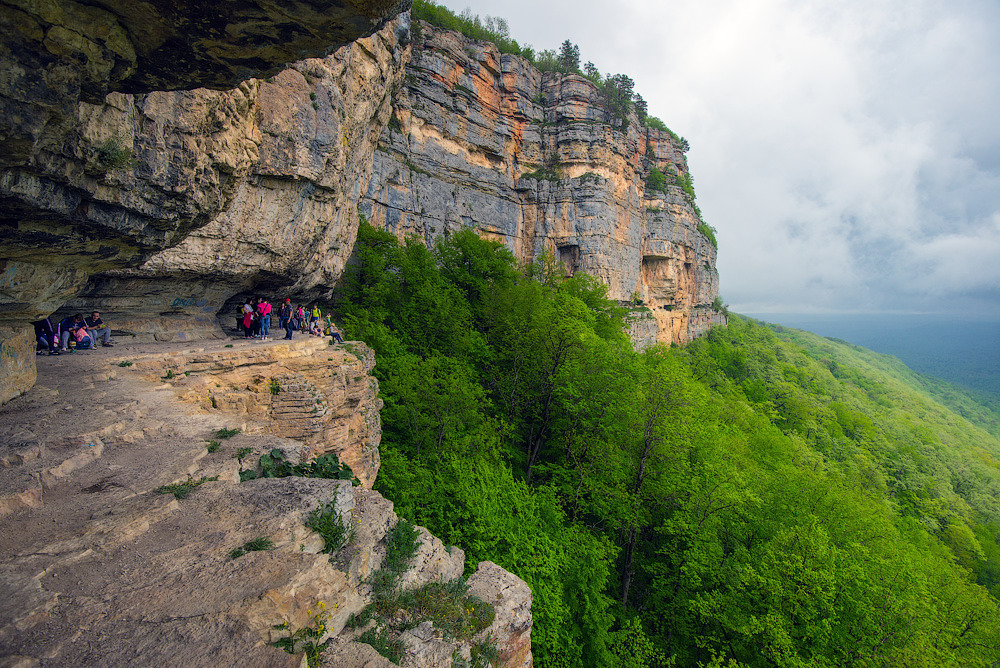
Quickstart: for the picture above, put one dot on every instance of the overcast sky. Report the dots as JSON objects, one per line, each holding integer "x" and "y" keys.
{"x": 847, "y": 151}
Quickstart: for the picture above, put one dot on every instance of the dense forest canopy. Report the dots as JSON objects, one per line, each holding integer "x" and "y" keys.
{"x": 760, "y": 497}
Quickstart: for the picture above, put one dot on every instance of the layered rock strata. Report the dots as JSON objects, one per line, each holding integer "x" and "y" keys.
{"x": 293, "y": 219}
{"x": 92, "y": 179}
{"x": 483, "y": 140}
{"x": 162, "y": 209}
{"x": 98, "y": 568}
{"x": 322, "y": 396}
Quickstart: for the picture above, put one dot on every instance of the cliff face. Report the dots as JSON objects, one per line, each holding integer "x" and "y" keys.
{"x": 160, "y": 209}
{"x": 92, "y": 179}
{"x": 484, "y": 140}
{"x": 292, "y": 218}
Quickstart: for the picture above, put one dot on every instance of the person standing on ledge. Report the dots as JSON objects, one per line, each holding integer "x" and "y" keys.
{"x": 99, "y": 330}
{"x": 247, "y": 311}
{"x": 264, "y": 309}
{"x": 285, "y": 318}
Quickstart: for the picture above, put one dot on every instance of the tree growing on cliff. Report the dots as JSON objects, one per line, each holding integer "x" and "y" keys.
{"x": 618, "y": 92}
{"x": 569, "y": 57}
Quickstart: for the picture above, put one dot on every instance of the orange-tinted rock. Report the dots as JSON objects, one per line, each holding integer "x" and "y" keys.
{"x": 484, "y": 140}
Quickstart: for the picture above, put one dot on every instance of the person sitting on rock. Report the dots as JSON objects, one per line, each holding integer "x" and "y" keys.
{"x": 334, "y": 332}
{"x": 45, "y": 335}
{"x": 71, "y": 326}
{"x": 98, "y": 329}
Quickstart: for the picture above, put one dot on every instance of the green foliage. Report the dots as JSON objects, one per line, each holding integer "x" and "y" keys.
{"x": 225, "y": 433}
{"x": 274, "y": 386}
{"x": 686, "y": 183}
{"x": 400, "y": 547}
{"x": 569, "y": 57}
{"x": 491, "y": 29}
{"x": 261, "y": 544}
{"x": 656, "y": 181}
{"x": 114, "y": 153}
{"x": 327, "y": 522}
{"x": 242, "y": 452}
{"x": 180, "y": 490}
{"x": 632, "y": 648}
{"x": 394, "y": 124}
{"x": 454, "y": 612}
{"x": 758, "y": 498}
{"x": 307, "y": 638}
{"x": 274, "y": 464}
{"x": 542, "y": 174}
{"x": 384, "y": 642}
{"x": 617, "y": 93}
{"x": 213, "y": 446}
{"x": 709, "y": 232}
{"x": 126, "y": 363}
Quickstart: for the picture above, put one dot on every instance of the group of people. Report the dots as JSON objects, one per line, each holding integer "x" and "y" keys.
{"x": 256, "y": 320}
{"x": 71, "y": 334}
{"x": 75, "y": 332}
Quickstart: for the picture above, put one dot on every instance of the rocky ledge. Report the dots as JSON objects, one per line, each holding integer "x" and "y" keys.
{"x": 102, "y": 564}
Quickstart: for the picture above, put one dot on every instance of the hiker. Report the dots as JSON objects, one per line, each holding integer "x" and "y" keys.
{"x": 247, "y": 311}
{"x": 300, "y": 318}
{"x": 73, "y": 327}
{"x": 314, "y": 316}
{"x": 264, "y": 310}
{"x": 285, "y": 318}
{"x": 98, "y": 329}
{"x": 45, "y": 335}
{"x": 255, "y": 323}
{"x": 334, "y": 332}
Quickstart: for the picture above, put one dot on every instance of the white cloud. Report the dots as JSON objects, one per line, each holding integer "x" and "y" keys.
{"x": 846, "y": 150}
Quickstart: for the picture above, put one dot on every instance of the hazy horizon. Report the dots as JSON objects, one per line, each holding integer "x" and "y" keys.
{"x": 960, "y": 350}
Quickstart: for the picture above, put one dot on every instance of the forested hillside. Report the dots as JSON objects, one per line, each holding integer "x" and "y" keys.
{"x": 757, "y": 498}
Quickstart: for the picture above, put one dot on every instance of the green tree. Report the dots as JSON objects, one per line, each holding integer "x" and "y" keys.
{"x": 569, "y": 57}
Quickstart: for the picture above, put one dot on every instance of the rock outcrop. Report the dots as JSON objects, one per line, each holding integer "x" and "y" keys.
{"x": 320, "y": 395}
{"x": 484, "y": 140}
{"x": 93, "y": 179}
{"x": 293, "y": 218}
{"x": 101, "y": 565}
{"x": 161, "y": 209}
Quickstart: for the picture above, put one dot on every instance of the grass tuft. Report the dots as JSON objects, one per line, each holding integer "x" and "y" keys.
{"x": 261, "y": 544}
{"x": 180, "y": 490}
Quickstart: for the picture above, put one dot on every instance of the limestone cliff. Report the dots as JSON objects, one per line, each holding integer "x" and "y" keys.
{"x": 292, "y": 219}
{"x": 93, "y": 180}
{"x": 484, "y": 140}
{"x": 162, "y": 208}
